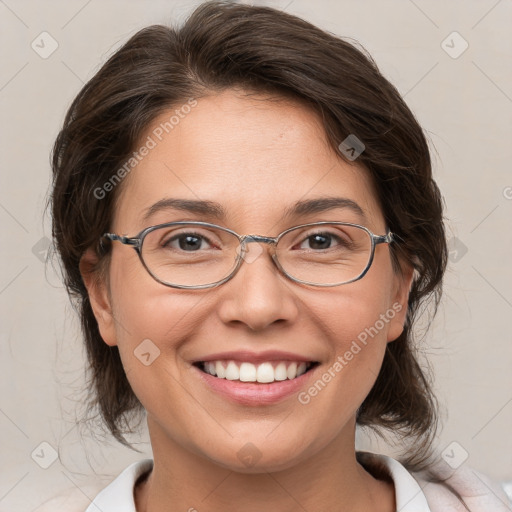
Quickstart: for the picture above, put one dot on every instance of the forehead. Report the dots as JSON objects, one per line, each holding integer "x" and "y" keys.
{"x": 253, "y": 155}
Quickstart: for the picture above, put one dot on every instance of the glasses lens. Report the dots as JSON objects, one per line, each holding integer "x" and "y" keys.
{"x": 325, "y": 254}
{"x": 196, "y": 255}
{"x": 189, "y": 254}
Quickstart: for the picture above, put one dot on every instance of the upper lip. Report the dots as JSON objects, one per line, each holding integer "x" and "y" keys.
{"x": 254, "y": 357}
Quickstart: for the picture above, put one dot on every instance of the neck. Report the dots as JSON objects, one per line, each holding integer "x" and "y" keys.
{"x": 332, "y": 479}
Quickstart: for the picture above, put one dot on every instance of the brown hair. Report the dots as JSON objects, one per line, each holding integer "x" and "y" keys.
{"x": 224, "y": 45}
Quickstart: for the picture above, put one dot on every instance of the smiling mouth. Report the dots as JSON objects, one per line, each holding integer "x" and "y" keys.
{"x": 264, "y": 373}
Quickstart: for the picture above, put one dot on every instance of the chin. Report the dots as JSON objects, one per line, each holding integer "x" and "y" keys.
{"x": 251, "y": 456}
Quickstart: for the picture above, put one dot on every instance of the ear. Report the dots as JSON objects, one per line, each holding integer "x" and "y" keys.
{"x": 399, "y": 301}
{"x": 97, "y": 289}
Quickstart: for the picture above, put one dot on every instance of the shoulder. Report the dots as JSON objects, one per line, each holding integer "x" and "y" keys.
{"x": 117, "y": 496}
{"x": 462, "y": 489}
{"x": 440, "y": 488}
{"x": 72, "y": 499}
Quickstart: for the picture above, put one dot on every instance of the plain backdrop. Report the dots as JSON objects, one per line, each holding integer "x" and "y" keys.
{"x": 451, "y": 62}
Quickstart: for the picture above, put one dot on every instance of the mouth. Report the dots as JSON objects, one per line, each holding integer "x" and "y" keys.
{"x": 266, "y": 372}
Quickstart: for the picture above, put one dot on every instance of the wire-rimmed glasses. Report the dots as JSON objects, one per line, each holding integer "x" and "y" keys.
{"x": 197, "y": 255}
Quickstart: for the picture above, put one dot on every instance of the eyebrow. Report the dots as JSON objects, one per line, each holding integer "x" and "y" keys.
{"x": 216, "y": 210}
{"x": 207, "y": 208}
{"x": 322, "y": 204}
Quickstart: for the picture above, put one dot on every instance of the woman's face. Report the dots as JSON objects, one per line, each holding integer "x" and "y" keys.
{"x": 256, "y": 158}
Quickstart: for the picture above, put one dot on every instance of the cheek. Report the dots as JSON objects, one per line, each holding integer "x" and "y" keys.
{"x": 164, "y": 317}
{"x": 142, "y": 306}
{"x": 354, "y": 326}
{"x": 360, "y": 312}
{"x": 150, "y": 319}
{"x": 155, "y": 327}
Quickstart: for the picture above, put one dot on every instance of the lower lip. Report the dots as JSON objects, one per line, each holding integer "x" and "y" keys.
{"x": 253, "y": 393}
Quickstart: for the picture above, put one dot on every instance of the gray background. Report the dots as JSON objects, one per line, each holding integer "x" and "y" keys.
{"x": 464, "y": 102}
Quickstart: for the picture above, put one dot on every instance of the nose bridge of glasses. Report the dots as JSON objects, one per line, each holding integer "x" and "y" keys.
{"x": 257, "y": 238}
{"x": 251, "y": 255}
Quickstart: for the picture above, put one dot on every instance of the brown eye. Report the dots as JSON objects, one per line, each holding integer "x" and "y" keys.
{"x": 186, "y": 242}
{"x": 318, "y": 241}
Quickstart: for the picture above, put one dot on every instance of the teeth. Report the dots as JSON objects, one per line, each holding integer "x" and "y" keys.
{"x": 232, "y": 371}
{"x": 291, "y": 372}
{"x": 280, "y": 372}
{"x": 301, "y": 369}
{"x": 220, "y": 371}
{"x": 265, "y": 372}
{"x": 248, "y": 372}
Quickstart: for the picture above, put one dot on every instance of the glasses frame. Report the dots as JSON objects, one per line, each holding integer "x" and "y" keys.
{"x": 137, "y": 241}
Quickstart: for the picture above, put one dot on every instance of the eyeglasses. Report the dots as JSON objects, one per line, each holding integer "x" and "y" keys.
{"x": 198, "y": 255}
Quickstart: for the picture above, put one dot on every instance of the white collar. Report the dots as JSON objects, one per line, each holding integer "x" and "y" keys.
{"x": 118, "y": 496}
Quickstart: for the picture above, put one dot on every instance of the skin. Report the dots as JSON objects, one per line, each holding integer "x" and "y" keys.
{"x": 255, "y": 157}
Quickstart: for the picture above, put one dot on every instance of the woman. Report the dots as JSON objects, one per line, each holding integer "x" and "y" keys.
{"x": 255, "y": 357}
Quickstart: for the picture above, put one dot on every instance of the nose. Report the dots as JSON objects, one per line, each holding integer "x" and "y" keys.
{"x": 258, "y": 295}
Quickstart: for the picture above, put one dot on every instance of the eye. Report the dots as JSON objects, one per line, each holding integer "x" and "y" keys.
{"x": 188, "y": 242}
{"x": 323, "y": 240}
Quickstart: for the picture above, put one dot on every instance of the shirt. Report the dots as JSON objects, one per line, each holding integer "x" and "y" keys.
{"x": 413, "y": 493}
